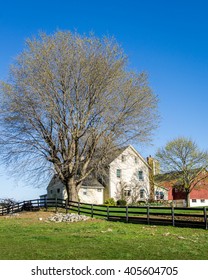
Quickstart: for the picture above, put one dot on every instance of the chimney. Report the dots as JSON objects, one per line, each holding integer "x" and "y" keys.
{"x": 153, "y": 170}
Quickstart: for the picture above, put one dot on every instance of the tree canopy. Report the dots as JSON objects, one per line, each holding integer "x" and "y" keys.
{"x": 68, "y": 102}
{"x": 184, "y": 164}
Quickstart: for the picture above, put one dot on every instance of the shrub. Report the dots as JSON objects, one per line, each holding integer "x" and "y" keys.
{"x": 121, "y": 202}
{"x": 141, "y": 203}
{"x": 110, "y": 202}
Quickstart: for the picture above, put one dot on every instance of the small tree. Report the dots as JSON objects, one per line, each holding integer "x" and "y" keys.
{"x": 185, "y": 162}
{"x": 68, "y": 103}
{"x": 7, "y": 202}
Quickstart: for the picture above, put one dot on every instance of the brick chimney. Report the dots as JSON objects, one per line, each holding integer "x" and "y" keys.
{"x": 153, "y": 170}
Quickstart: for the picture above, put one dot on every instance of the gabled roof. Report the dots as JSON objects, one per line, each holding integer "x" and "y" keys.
{"x": 170, "y": 176}
{"x": 116, "y": 153}
{"x": 121, "y": 150}
{"x": 173, "y": 175}
{"x": 161, "y": 187}
{"x": 142, "y": 159}
{"x": 91, "y": 181}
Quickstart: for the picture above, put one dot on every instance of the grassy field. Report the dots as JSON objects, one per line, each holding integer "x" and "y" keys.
{"x": 25, "y": 237}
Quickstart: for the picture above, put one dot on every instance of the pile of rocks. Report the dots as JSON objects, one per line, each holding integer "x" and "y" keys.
{"x": 60, "y": 217}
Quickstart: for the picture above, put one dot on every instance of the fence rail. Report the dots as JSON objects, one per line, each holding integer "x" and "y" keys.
{"x": 151, "y": 215}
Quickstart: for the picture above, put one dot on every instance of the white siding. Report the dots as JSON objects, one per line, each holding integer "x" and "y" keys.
{"x": 91, "y": 195}
{"x": 198, "y": 203}
{"x": 159, "y": 189}
{"x": 57, "y": 190}
{"x": 130, "y": 163}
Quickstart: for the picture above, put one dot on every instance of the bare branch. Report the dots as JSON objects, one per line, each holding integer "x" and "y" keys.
{"x": 69, "y": 98}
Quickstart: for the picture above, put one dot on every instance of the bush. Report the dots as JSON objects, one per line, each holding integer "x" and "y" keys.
{"x": 141, "y": 203}
{"x": 121, "y": 202}
{"x": 110, "y": 202}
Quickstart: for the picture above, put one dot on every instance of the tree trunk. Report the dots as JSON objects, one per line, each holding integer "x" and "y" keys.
{"x": 150, "y": 161}
{"x": 72, "y": 190}
{"x": 187, "y": 199}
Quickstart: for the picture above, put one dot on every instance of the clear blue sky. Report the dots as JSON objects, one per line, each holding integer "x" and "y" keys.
{"x": 167, "y": 39}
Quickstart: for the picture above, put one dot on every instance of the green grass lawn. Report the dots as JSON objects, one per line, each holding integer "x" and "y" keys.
{"x": 29, "y": 238}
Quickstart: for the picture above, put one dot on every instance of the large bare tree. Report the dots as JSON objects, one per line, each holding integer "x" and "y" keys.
{"x": 68, "y": 102}
{"x": 184, "y": 164}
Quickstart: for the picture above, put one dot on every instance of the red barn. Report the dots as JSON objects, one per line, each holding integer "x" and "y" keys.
{"x": 176, "y": 193}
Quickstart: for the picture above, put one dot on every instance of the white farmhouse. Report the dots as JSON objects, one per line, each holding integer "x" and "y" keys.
{"x": 126, "y": 177}
{"x": 91, "y": 190}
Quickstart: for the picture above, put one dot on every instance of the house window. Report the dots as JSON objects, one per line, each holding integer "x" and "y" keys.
{"x": 159, "y": 195}
{"x": 193, "y": 200}
{"x": 203, "y": 200}
{"x": 140, "y": 175}
{"x": 141, "y": 193}
{"x": 85, "y": 192}
{"x": 123, "y": 158}
{"x": 99, "y": 190}
{"x": 118, "y": 173}
{"x": 51, "y": 191}
{"x": 136, "y": 160}
{"x": 127, "y": 192}
{"x": 58, "y": 190}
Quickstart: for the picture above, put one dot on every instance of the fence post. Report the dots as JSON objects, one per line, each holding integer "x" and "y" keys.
{"x": 91, "y": 210}
{"x": 205, "y": 217}
{"x": 107, "y": 212}
{"x": 46, "y": 204}
{"x": 66, "y": 206}
{"x": 173, "y": 216}
{"x": 56, "y": 204}
{"x": 148, "y": 214}
{"x": 127, "y": 214}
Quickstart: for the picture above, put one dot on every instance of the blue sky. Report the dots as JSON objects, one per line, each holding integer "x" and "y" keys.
{"x": 167, "y": 39}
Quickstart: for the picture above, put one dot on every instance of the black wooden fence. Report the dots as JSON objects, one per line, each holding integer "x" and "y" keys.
{"x": 32, "y": 205}
{"x": 151, "y": 215}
